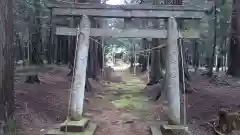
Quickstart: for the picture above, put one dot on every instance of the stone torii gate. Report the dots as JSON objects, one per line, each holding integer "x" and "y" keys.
{"x": 168, "y": 12}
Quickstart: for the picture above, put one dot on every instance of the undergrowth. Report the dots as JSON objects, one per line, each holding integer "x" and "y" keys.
{"x": 11, "y": 127}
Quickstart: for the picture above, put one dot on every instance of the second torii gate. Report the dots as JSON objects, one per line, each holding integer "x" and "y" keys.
{"x": 169, "y": 12}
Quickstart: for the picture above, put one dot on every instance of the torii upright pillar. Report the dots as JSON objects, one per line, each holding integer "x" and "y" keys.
{"x": 76, "y": 123}
{"x": 172, "y": 72}
{"x": 172, "y": 85}
{"x": 78, "y": 89}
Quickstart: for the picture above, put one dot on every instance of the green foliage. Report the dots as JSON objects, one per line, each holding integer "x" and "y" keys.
{"x": 25, "y": 14}
{"x": 31, "y": 20}
{"x": 224, "y": 8}
{"x": 11, "y": 124}
{"x": 113, "y": 43}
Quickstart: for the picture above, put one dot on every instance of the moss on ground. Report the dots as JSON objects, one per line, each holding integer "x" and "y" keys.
{"x": 133, "y": 103}
{"x": 130, "y": 96}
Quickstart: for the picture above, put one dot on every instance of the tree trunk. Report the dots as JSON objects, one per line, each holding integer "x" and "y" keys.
{"x": 20, "y": 55}
{"x": 195, "y": 56}
{"x": 234, "y": 52}
{"x": 65, "y": 50}
{"x": 36, "y": 42}
{"x": 155, "y": 63}
{"x": 210, "y": 72}
{"x": 72, "y": 43}
{"x": 93, "y": 53}
{"x": 163, "y": 59}
{"x": 143, "y": 59}
{"x": 6, "y": 65}
{"x": 135, "y": 59}
{"x": 100, "y": 56}
{"x": 50, "y": 40}
{"x": 91, "y": 56}
{"x": 183, "y": 70}
{"x": 58, "y": 46}
{"x": 71, "y": 48}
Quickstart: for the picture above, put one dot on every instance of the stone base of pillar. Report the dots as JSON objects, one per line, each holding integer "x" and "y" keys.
{"x": 166, "y": 129}
{"x": 82, "y": 127}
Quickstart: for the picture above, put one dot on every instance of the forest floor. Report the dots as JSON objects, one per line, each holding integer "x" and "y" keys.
{"x": 120, "y": 107}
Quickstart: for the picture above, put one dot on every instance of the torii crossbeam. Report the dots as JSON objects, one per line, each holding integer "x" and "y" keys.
{"x": 195, "y": 12}
{"x": 129, "y": 11}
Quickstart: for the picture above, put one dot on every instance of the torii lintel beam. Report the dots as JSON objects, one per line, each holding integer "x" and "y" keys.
{"x": 127, "y": 33}
{"x": 130, "y": 11}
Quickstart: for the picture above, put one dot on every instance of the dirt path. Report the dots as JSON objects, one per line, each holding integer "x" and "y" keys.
{"x": 119, "y": 108}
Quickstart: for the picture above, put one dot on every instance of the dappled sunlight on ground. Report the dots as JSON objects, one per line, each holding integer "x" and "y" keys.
{"x": 119, "y": 66}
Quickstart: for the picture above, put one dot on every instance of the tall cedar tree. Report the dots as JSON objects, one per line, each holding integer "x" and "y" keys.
{"x": 6, "y": 62}
{"x": 234, "y": 50}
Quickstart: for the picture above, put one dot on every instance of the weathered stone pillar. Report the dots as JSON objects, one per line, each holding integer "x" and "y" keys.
{"x": 172, "y": 72}
{"x": 77, "y": 94}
